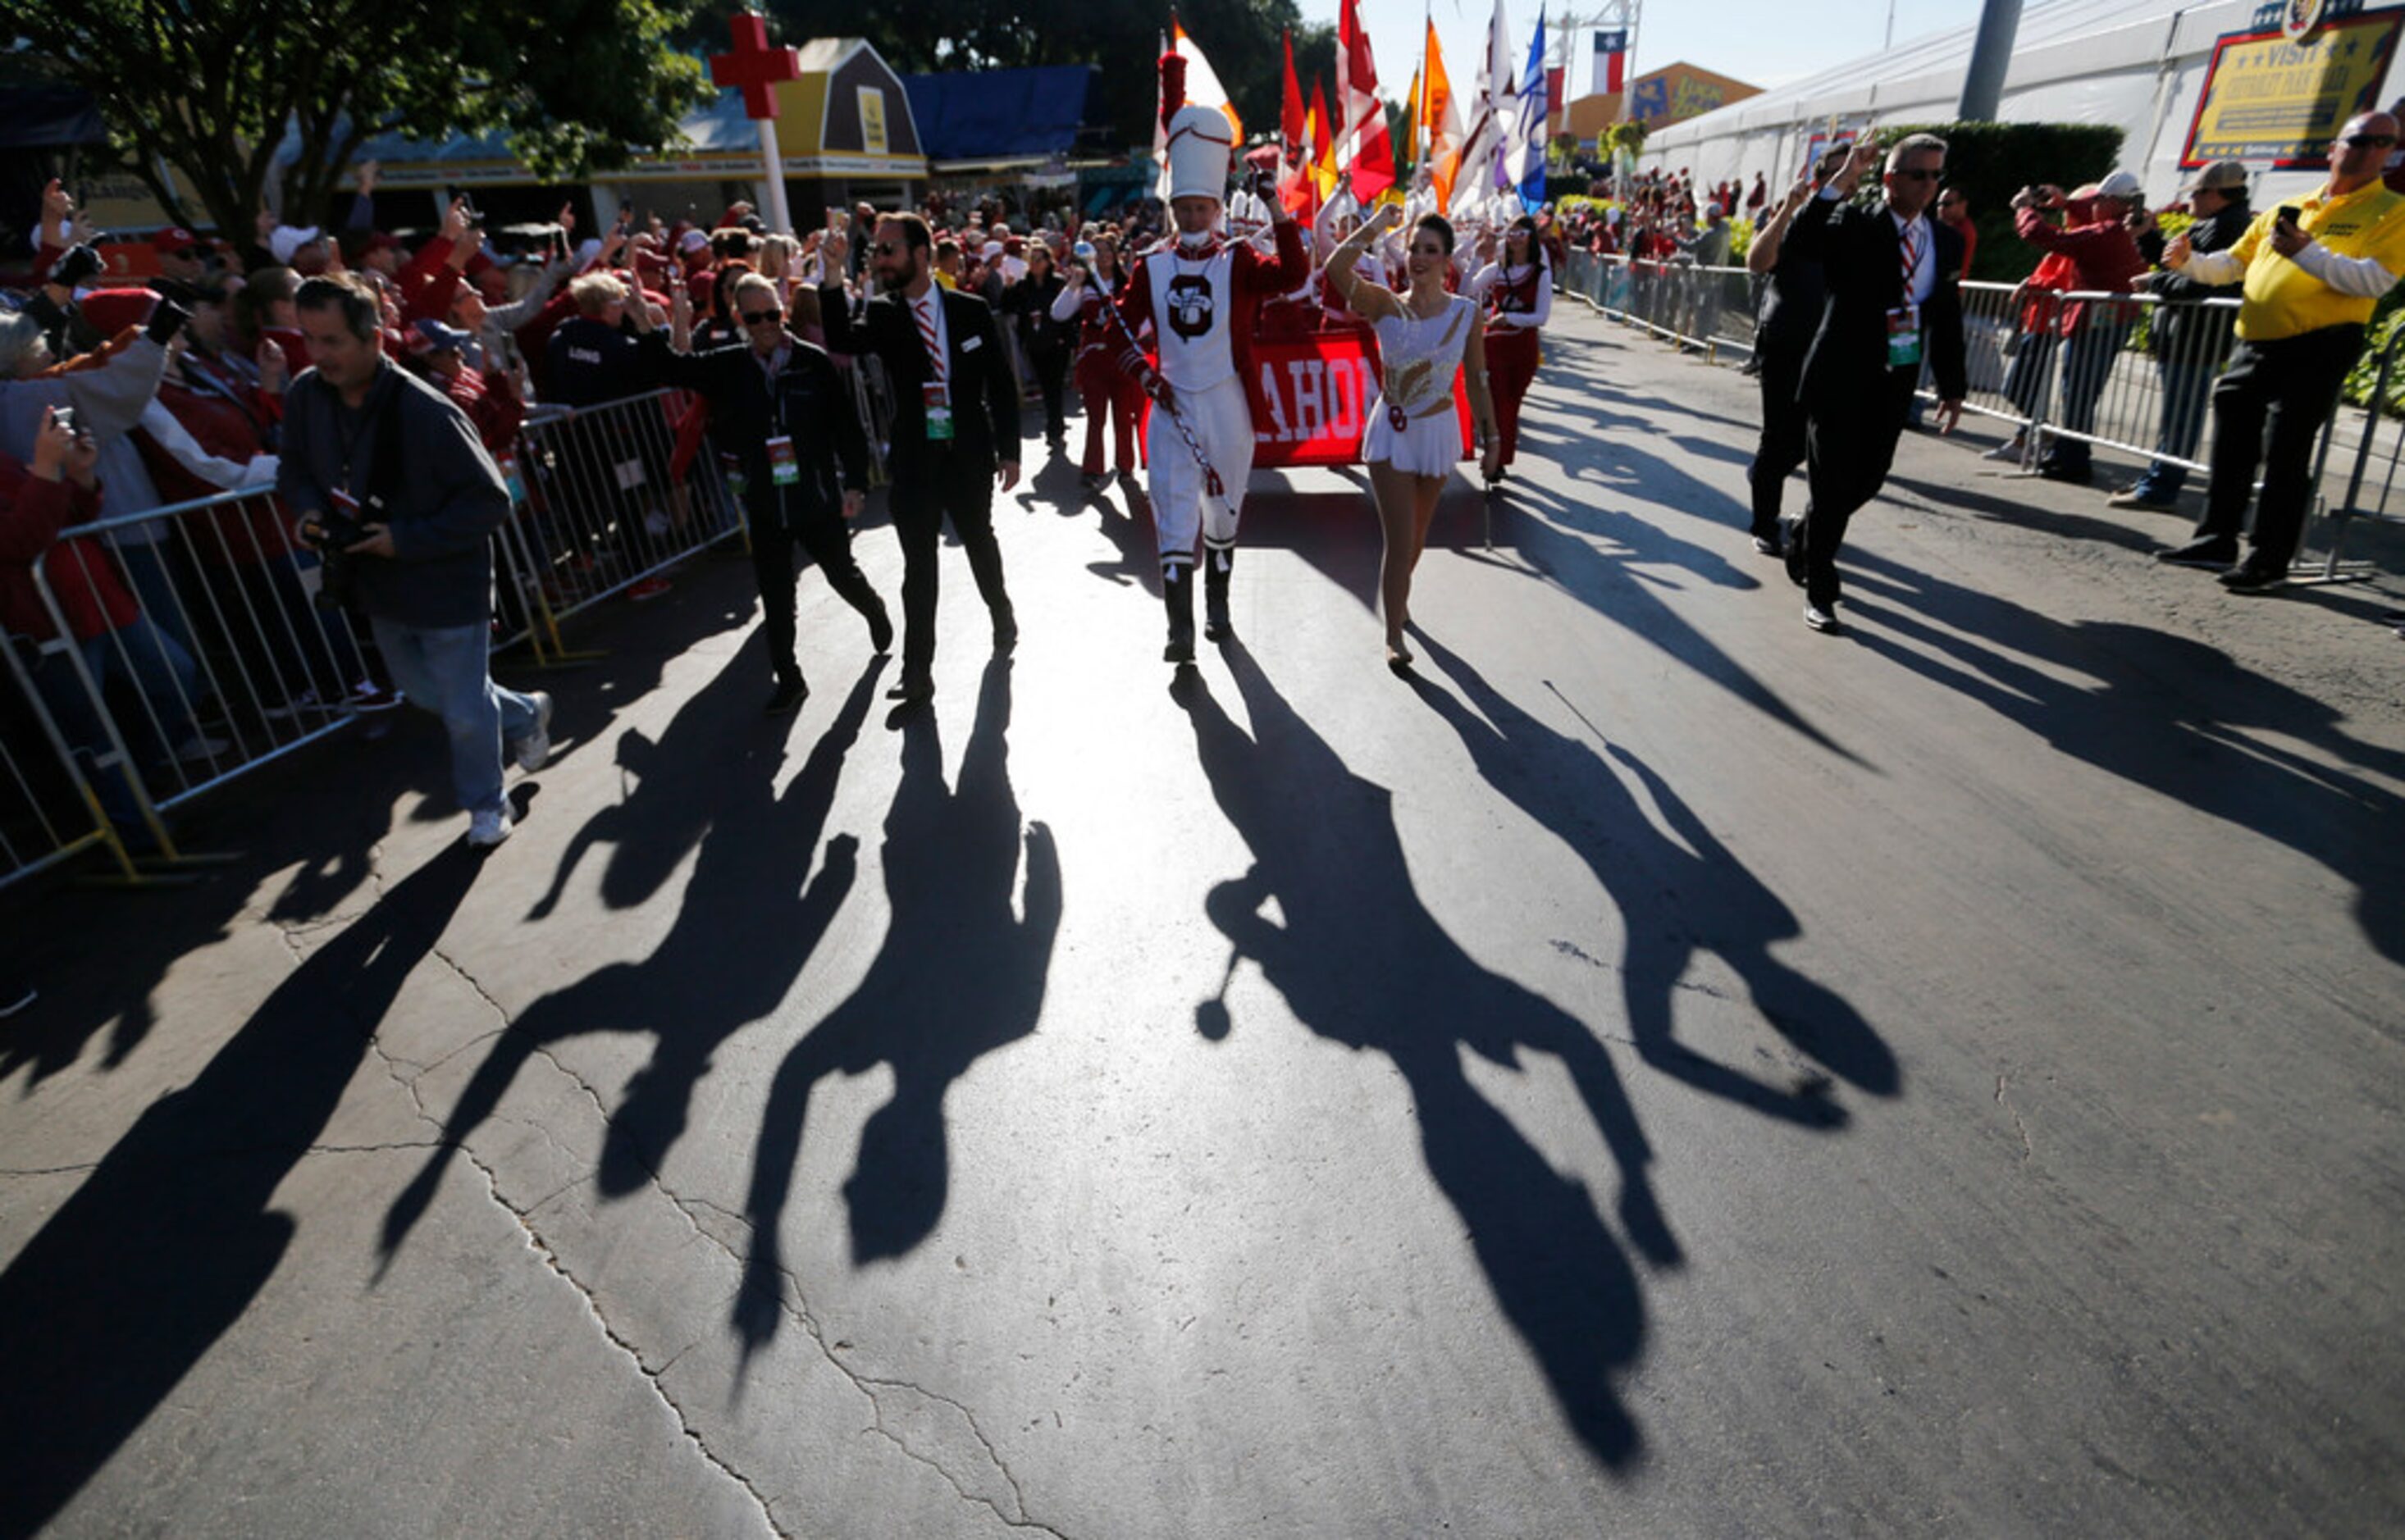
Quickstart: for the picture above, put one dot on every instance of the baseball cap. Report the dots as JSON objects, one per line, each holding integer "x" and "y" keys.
{"x": 430, "y": 336}
{"x": 2220, "y": 176}
{"x": 174, "y": 238}
{"x": 2122, "y": 185}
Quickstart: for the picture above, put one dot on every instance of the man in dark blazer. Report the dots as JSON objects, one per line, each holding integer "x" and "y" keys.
{"x": 955, "y": 424}
{"x": 1892, "y": 273}
{"x": 790, "y": 423}
{"x": 1793, "y": 299}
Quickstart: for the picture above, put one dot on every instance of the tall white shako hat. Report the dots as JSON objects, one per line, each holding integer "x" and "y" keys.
{"x": 1201, "y": 143}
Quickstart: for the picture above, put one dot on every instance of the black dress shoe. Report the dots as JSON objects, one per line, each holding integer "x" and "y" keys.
{"x": 2255, "y": 576}
{"x": 787, "y": 696}
{"x": 2216, "y": 552}
{"x": 910, "y": 689}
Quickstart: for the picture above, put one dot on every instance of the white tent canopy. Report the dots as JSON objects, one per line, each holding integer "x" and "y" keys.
{"x": 2139, "y": 65}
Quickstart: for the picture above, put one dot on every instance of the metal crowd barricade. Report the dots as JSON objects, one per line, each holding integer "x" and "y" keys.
{"x": 2372, "y": 491}
{"x": 2108, "y": 382}
{"x": 49, "y": 813}
{"x": 1710, "y": 308}
{"x": 613, "y": 498}
{"x": 190, "y": 644}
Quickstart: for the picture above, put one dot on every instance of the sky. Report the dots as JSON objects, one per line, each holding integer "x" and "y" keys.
{"x": 1762, "y": 42}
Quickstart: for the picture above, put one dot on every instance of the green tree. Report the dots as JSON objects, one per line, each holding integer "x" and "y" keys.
{"x": 1240, "y": 37}
{"x": 213, "y": 88}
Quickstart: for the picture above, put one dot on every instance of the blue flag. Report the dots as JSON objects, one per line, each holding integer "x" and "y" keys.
{"x": 1534, "y": 111}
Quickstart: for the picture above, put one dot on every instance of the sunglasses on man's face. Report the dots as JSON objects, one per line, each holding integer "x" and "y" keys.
{"x": 2368, "y": 141}
{"x": 1922, "y": 173}
{"x": 761, "y": 317}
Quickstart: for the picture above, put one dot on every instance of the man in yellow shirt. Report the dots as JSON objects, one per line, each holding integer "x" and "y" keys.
{"x": 2313, "y": 271}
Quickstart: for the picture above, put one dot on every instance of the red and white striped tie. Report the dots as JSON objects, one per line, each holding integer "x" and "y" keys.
{"x": 926, "y": 314}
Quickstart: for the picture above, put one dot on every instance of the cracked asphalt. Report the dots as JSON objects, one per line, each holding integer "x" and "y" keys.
{"x": 1654, "y": 1070}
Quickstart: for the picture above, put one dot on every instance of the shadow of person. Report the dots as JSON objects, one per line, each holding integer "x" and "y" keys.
{"x": 1361, "y": 961}
{"x": 171, "y": 1238}
{"x": 2164, "y": 712}
{"x": 746, "y": 926}
{"x": 1679, "y": 893}
{"x": 678, "y": 785}
{"x": 960, "y": 975}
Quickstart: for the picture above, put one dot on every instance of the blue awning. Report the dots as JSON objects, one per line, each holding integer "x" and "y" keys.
{"x": 999, "y": 114}
{"x": 48, "y": 117}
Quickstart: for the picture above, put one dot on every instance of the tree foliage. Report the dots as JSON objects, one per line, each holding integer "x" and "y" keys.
{"x": 213, "y": 88}
{"x": 1240, "y": 37}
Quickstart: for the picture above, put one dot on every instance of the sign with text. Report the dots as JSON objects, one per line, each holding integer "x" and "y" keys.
{"x": 2269, "y": 96}
{"x": 1310, "y": 398}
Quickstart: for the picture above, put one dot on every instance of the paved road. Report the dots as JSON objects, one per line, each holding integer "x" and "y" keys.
{"x": 1656, "y": 1071}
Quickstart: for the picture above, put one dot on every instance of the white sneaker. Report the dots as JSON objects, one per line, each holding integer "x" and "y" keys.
{"x": 487, "y": 829}
{"x": 535, "y": 748}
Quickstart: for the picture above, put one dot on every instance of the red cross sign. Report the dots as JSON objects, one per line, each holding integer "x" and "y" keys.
{"x": 754, "y": 66}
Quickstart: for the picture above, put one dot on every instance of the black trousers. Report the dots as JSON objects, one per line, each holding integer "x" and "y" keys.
{"x": 956, "y": 486}
{"x": 1781, "y": 449}
{"x": 1051, "y": 365}
{"x": 2293, "y": 385}
{"x": 828, "y": 539}
{"x": 1849, "y": 442}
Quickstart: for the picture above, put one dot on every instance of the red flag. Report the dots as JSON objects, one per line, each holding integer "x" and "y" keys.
{"x": 1290, "y": 123}
{"x": 1362, "y": 141}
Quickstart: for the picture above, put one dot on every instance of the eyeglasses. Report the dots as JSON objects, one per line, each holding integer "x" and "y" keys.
{"x": 760, "y": 317}
{"x": 2368, "y": 141}
{"x": 1920, "y": 174}
{"x": 891, "y": 249}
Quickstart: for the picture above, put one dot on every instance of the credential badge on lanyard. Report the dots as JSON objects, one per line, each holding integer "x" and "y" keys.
{"x": 1904, "y": 322}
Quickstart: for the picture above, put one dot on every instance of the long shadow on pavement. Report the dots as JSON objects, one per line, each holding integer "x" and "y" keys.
{"x": 170, "y": 1238}
{"x": 1360, "y": 960}
{"x": 960, "y": 975}
{"x": 744, "y": 929}
{"x": 2161, "y": 711}
{"x": 1676, "y": 900}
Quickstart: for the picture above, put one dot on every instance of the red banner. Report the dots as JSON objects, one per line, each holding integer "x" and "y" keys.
{"x": 1311, "y": 396}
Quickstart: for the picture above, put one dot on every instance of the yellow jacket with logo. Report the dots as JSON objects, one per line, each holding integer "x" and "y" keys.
{"x": 2358, "y": 251}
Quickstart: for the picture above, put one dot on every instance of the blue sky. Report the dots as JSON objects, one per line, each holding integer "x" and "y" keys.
{"x": 1762, "y": 42}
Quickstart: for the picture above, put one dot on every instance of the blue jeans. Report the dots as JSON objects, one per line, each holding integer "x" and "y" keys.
{"x": 447, "y": 670}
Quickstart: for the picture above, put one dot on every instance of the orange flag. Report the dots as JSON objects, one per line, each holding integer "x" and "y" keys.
{"x": 1439, "y": 120}
{"x": 1323, "y": 143}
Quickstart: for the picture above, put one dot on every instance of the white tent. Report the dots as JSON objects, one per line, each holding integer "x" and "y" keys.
{"x": 2139, "y": 65}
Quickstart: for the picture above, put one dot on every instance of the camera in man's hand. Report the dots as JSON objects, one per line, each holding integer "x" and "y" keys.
{"x": 80, "y": 264}
{"x": 333, "y": 532}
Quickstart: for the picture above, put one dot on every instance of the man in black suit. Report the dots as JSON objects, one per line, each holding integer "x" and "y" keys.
{"x": 804, "y": 460}
{"x": 955, "y": 424}
{"x": 1793, "y": 299}
{"x": 1892, "y": 273}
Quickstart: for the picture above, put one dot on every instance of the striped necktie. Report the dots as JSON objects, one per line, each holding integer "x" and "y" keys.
{"x": 925, "y": 312}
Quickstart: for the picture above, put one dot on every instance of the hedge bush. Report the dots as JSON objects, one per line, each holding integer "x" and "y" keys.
{"x": 1992, "y": 162}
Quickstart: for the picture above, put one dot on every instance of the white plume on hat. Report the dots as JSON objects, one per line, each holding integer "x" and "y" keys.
{"x": 1199, "y": 145}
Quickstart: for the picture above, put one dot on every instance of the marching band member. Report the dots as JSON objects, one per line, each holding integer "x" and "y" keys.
{"x": 1518, "y": 288}
{"x": 1201, "y": 295}
{"x": 1425, "y": 334}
